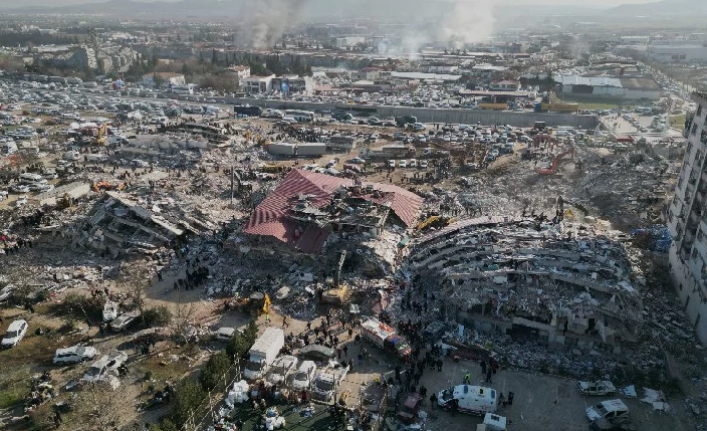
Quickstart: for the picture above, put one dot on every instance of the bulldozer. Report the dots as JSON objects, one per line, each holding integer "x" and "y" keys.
{"x": 105, "y": 185}
{"x": 65, "y": 201}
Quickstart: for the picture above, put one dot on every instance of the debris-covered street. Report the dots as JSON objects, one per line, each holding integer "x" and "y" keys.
{"x": 200, "y": 236}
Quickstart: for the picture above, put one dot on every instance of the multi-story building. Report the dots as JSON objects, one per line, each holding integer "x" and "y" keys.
{"x": 687, "y": 219}
{"x": 258, "y": 84}
{"x": 293, "y": 84}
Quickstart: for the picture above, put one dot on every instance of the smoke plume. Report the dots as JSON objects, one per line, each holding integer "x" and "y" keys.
{"x": 266, "y": 20}
{"x": 459, "y": 23}
{"x": 467, "y": 21}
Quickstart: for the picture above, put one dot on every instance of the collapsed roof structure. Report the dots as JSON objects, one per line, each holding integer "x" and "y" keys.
{"x": 120, "y": 222}
{"x": 304, "y": 209}
{"x": 566, "y": 284}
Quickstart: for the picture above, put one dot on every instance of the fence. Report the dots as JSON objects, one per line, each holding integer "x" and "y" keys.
{"x": 207, "y": 411}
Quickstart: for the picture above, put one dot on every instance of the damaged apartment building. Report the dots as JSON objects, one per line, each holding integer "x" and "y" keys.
{"x": 308, "y": 210}
{"x": 568, "y": 285}
{"x": 119, "y": 223}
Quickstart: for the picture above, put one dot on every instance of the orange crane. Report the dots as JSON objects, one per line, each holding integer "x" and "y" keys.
{"x": 552, "y": 169}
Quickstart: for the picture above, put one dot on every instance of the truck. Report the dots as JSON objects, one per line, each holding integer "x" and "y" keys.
{"x": 556, "y": 107}
{"x": 385, "y": 337}
{"x": 493, "y": 106}
{"x": 248, "y": 110}
{"x": 475, "y": 400}
{"x": 405, "y": 120}
{"x": 263, "y": 353}
{"x": 327, "y": 380}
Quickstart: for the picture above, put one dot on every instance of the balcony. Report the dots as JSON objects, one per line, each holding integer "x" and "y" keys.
{"x": 689, "y": 193}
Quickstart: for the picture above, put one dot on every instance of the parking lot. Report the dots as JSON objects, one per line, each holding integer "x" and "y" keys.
{"x": 541, "y": 402}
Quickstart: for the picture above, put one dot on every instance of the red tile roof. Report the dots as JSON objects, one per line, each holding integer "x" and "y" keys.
{"x": 271, "y": 217}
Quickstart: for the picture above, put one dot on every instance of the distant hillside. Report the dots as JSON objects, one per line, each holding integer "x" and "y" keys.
{"x": 661, "y": 8}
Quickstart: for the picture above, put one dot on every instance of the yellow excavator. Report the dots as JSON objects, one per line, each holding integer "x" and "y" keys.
{"x": 102, "y": 133}
{"x": 435, "y": 221}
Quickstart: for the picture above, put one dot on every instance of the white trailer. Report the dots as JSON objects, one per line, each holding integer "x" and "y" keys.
{"x": 263, "y": 353}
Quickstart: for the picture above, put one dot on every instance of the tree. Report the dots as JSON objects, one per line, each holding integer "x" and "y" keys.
{"x": 237, "y": 347}
{"x": 158, "y": 316}
{"x": 241, "y": 343}
{"x": 214, "y": 370}
{"x": 187, "y": 399}
{"x": 158, "y": 80}
{"x": 182, "y": 319}
{"x": 135, "y": 279}
{"x": 251, "y": 333}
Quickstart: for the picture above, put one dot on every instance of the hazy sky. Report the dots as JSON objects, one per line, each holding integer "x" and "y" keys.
{"x": 16, "y": 4}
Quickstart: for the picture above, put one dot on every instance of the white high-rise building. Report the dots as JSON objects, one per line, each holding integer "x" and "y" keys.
{"x": 687, "y": 220}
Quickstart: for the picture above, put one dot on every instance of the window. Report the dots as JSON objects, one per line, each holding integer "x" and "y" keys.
{"x": 699, "y": 111}
{"x": 680, "y": 181}
{"x": 694, "y": 129}
{"x": 689, "y": 147}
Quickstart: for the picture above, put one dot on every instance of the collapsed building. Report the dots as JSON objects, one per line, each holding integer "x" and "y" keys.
{"x": 307, "y": 208}
{"x": 568, "y": 285}
{"x": 121, "y": 222}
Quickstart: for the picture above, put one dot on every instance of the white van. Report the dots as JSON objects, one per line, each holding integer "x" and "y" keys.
{"x": 615, "y": 411}
{"x": 32, "y": 178}
{"x": 304, "y": 375}
{"x": 475, "y": 400}
{"x": 72, "y": 156}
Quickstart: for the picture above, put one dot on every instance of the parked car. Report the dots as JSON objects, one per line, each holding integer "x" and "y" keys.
{"x": 107, "y": 365}
{"x": 281, "y": 369}
{"x": 615, "y": 411}
{"x": 600, "y": 387}
{"x": 409, "y": 409}
{"x": 304, "y": 375}
{"x": 15, "y": 333}
{"x": 225, "y": 333}
{"x": 21, "y": 201}
{"x": 74, "y": 354}
{"x": 605, "y": 425}
{"x": 317, "y": 352}
{"x": 123, "y": 321}
{"x": 403, "y": 164}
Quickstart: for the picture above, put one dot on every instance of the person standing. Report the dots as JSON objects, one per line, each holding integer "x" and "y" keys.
{"x": 433, "y": 400}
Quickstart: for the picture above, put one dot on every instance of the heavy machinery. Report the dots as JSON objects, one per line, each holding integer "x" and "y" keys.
{"x": 552, "y": 169}
{"x": 101, "y": 135}
{"x": 434, "y": 221}
{"x": 105, "y": 185}
{"x": 65, "y": 201}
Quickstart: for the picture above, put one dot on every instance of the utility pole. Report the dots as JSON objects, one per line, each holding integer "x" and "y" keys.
{"x": 232, "y": 180}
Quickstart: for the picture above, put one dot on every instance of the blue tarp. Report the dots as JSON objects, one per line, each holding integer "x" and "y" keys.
{"x": 661, "y": 237}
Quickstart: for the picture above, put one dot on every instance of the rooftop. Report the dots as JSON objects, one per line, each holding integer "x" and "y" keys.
{"x": 301, "y": 210}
